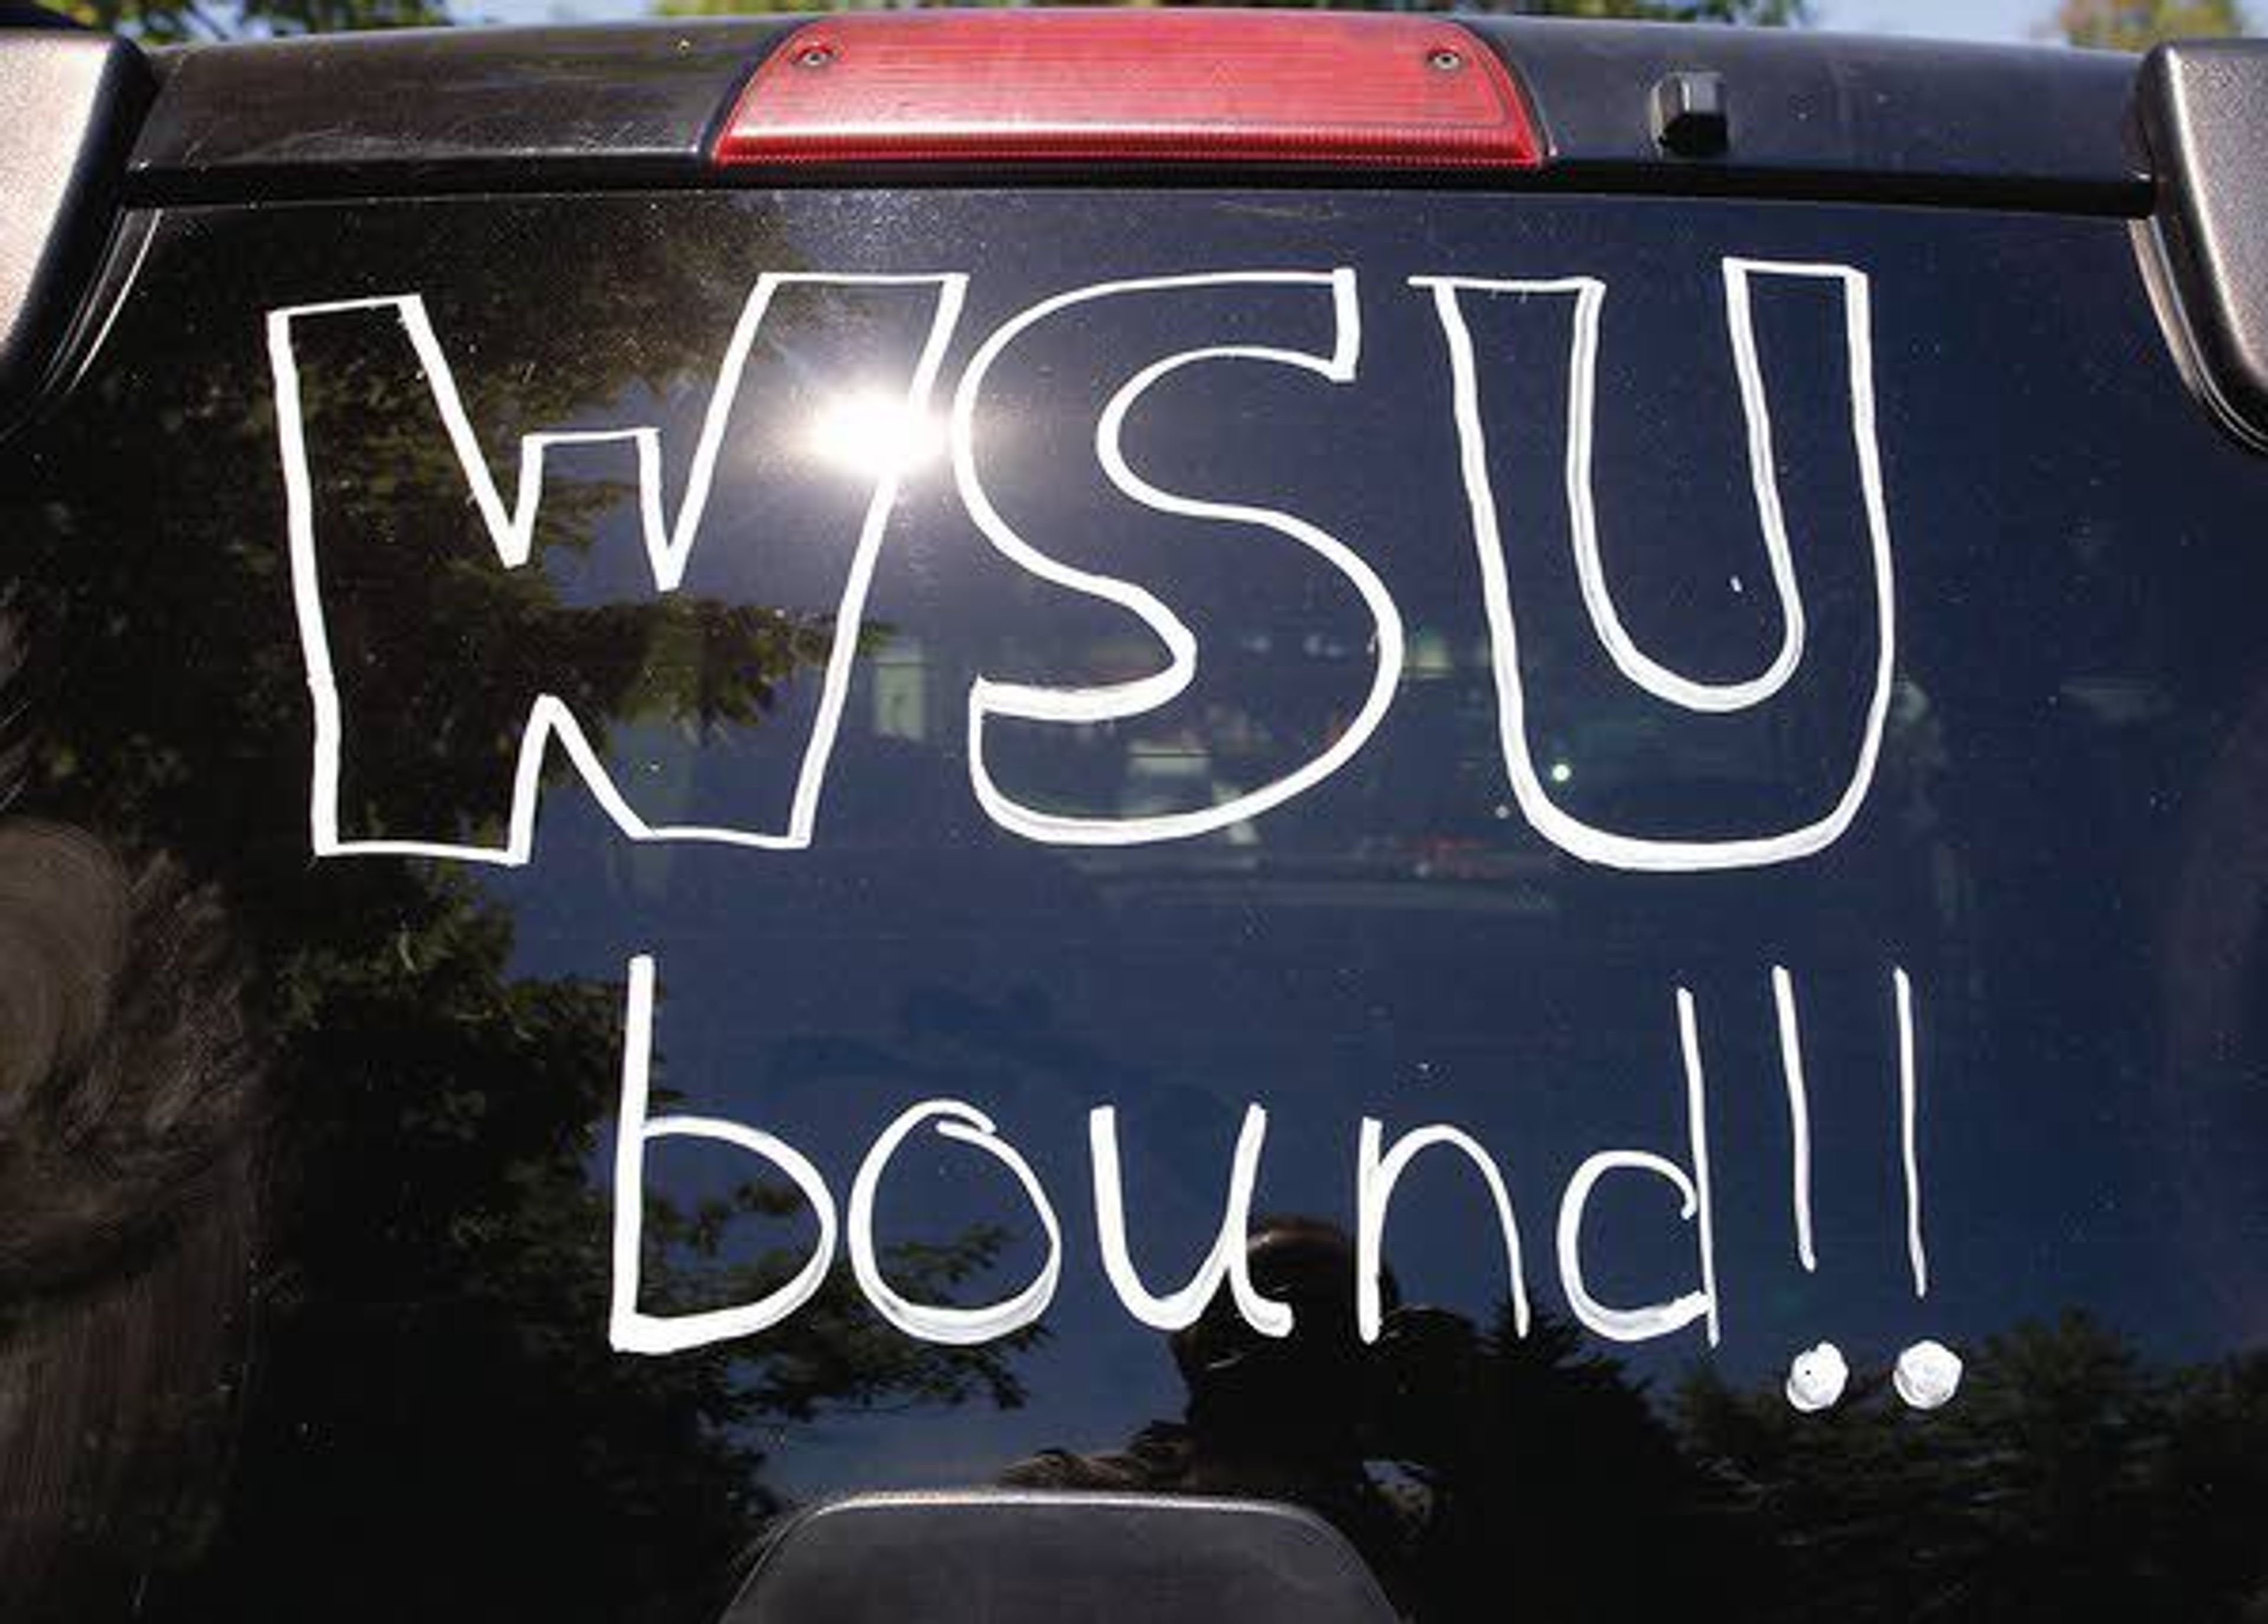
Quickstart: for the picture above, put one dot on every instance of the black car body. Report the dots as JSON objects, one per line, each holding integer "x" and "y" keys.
{"x": 767, "y": 782}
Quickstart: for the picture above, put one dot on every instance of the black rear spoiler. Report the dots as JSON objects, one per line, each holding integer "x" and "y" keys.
{"x": 1806, "y": 115}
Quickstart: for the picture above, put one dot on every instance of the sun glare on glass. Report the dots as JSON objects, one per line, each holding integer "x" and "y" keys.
{"x": 875, "y": 434}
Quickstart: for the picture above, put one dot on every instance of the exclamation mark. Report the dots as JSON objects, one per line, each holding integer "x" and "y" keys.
{"x": 1928, "y": 1373}
{"x": 1907, "y": 1110}
{"x": 1798, "y": 1115}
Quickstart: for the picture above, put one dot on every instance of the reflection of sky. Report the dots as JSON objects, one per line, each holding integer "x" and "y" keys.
{"x": 2004, "y": 20}
{"x": 1388, "y": 945}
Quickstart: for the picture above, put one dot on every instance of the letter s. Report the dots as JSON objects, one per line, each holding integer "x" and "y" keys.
{"x": 1120, "y": 701}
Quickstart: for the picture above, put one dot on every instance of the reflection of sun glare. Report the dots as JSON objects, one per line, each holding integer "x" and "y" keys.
{"x": 872, "y": 434}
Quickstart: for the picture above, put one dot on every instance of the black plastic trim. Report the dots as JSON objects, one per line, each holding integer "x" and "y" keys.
{"x": 423, "y": 109}
{"x": 71, "y": 101}
{"x": 989, "y": 1556}
{"x": 1822, "y": 117}
{"x": 2203, "y": 108}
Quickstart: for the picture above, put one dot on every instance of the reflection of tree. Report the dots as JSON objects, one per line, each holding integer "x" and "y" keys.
{"x": 1557, "y": 1493}
{"x": 442, "y": 1322}
{"x": 1524, "y": 1476}
{"x": 2138, "y": 25}
{"x": 2069, "y": 1480}
{"x": 433, "y": 1425}
{"x": 129, "y": 1102}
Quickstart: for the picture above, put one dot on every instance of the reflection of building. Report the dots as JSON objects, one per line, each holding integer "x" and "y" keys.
{"x": 901, "y": 690}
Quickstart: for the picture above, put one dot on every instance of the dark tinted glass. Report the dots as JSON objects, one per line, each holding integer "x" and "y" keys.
{"x": 1754, "y": 716}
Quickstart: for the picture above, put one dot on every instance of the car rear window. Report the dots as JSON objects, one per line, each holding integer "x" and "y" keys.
{"x": 674, "y": 854}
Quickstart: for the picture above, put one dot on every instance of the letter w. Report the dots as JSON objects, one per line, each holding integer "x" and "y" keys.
{"x": 511, "y": 528}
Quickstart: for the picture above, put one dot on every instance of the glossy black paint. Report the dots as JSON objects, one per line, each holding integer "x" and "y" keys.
{"x": 344, "y": 1314}
{"x": 353, "y": 1319}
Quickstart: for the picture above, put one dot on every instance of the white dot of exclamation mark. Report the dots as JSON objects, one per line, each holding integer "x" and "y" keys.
{"x": 1928, "y": 1375}
{"x": 1817, "y": 1378}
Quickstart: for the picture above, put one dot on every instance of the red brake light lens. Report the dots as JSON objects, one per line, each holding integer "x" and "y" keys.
{"x": 1147, "y": 86}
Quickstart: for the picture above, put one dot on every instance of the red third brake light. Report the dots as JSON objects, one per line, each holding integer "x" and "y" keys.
{"x": 1146, "y": 86}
